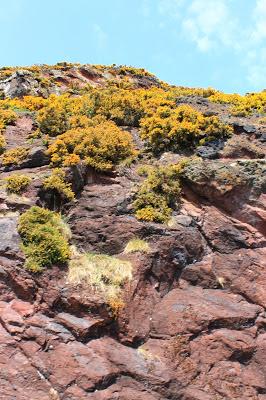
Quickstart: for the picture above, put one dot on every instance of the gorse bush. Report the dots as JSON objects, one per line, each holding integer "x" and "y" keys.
{"x": 44, "y": 237}
{"x": 60, "y": 113}
{"x": 124, "y": 69}
{"x": 30, "y": 103}
{"x": 182, "y": 127}
{"x": 2, "y": 143}
{"x": 56, "y": 182}
{"x": 17, "y": 183}
{"x": 225, "y": 98}
{"x": 123, "y": 107}
{"x": 159, "y": 193}
{"x": 101, "y": 146}
{"x": 53, "y": 118}
{"x": 191, "y": 92}
{"x": 242, "y": 105}
{"x": 7, "y": 117}
{"x": 14, "y": 156}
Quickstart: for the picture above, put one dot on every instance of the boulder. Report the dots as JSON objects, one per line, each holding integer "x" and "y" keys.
{"x": 10, "y": 240}
{"x": 193, "y": 310}
{"x": 83, "y": 328}
{"x": 243, "y": 272}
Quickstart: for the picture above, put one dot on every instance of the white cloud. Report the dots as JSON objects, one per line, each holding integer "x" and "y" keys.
{"x": 256, "y": 65}
{"x": 259, "y": 17}
{"x": 256, "y": 56}
{"x": 214, "y": 26}
{"x": 191, "y": 29}
{"x": 209, "y": 24}
{"x": 100, "y": 36}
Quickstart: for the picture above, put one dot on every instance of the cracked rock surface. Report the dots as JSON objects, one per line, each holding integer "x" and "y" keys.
{"x": 193, "y": 326}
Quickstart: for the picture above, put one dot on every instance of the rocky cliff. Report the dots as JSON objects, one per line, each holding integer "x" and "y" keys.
{"x": 188, "y": 317}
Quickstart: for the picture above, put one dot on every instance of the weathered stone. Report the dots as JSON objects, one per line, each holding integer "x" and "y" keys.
{"x": 11, "y": 319}
{"x": 36, "y": 157}
{"x": 10, "y": 241}
{"x": 81, "y": 327}
{"x": 193, "y": 310}
{"x": 18, "y": 378}
{"x": 190, "y": 324}
{"x": 243, "y": 272}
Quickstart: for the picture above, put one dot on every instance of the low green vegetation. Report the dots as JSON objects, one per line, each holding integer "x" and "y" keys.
{"x": 17, "y": 183}
{"x": 44, "y": 238}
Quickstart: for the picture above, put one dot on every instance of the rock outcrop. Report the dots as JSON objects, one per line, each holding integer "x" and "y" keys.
{"x": 193, "y": 325}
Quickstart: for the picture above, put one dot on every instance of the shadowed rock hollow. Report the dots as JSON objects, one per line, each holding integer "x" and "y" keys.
{"x": 189, "y": 322}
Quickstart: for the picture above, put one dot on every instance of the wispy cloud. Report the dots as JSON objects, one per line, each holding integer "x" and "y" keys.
{"x": 100, "y": 36}
{"x": 259, "y": 18}
{"x": 210, "y": 24}
{"x": 256, "y": 59}
{"x": 213, "y": 26}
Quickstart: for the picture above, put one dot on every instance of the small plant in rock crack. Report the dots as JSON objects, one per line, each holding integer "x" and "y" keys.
{"x": 159, "y": 193}
{"x": 56, "y": 182}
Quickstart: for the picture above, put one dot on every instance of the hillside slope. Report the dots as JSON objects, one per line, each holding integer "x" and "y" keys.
{"x": 132, "y": 237}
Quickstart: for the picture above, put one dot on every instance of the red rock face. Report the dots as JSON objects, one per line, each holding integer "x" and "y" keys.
{"x": 193, "y": 326}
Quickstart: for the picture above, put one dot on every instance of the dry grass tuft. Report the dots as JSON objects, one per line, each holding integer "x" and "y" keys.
{"x": 137, "y": 245}
{"x": 105, "y": 274}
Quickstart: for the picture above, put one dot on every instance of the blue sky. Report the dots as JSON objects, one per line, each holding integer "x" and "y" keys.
{"x": 201, "y": 43}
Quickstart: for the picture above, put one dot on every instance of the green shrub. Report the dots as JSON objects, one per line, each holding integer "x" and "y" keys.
{"x": 44, "y": 238}
{"x": 56, "y": 182}
{"x": 143, "y": 170}
{"x": 17, "y": 183}
{"x": 158, "y": 194}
